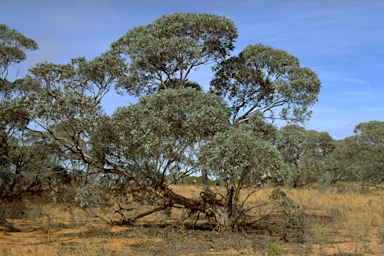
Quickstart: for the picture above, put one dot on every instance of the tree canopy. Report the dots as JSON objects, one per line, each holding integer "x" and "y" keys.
{"x": 13, "y": 47}
{"x": 170, "y": 48}
{"x": 14, "y": 115}
{"x": 161, "y": 134}
{"x": 267, "y": 80}
{"x": 364, "y": 152}
{"x": 306, "y": 153}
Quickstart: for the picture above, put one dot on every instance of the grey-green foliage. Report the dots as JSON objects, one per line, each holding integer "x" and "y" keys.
{"x": 15, "y": 170}
{"x": 267, "y": 80}
{"x": 244, "y": 161}
{"x": 65, "y": 100}
{"x": 242, "y": 156}
{"x": 13, "y": 47}
{"x": 306, "y": 154}
{"x": 290, "y": 143}
{"x": 370, "y": 145}
{"x": 360, "y": 157}
{"x": 261, "y": 82}
{"x": 344, "y": 160}
{"x": 170, "y": 48}
{"x": 291, "y": 227}
{"x": 161, "y": 134}
{"x": 319, "y": 147}
{"x": 64, "y": 103}
{"x": 31, "y": 166}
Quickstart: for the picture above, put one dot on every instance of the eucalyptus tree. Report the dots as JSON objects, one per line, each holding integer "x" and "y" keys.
{"x": 145, "y": 143}
{"x": 13, "y": 48}
{"x": 65, "y": 104}
{"x": 13, "y": 114}
{"x": 175, "y": 128}
{"x": 267, "y": 82}
{"x": 306, "y": 154}
{"x": 316, "y": 161}
{"x": 13, "y": 118}
{"x": 290, "y": 142}
{"x": 343, "y": 161}
{"x": 245, "y": 161}
{"x": 257, "y": 83}
{"x": 365, "y": 162}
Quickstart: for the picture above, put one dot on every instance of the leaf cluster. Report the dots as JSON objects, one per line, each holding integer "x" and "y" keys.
{"x": 161, "y": 132}
{"x": 267, "y": 80}
{"x": 241, "y": 157}
{"x": 170, "y": 48}
{"x": 359, "y": 157}
{"x": 306, "y": 154}
{"x": 13, "y": 46}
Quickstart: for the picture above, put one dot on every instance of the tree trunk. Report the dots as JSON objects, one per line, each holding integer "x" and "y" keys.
{"x": 224, "y": 214}
{"x": 206, "y": 186}
{"x": 228, "y": 202}
{"x": 222, "y": 217}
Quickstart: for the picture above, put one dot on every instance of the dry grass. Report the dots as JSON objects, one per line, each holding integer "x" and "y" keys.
{"x": 343, "y": 220}
{"x": 340, "y": 220}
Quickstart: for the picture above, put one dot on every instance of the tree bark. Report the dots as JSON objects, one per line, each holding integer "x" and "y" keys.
{"x": 207, "y": 188}
{"x": 228, "y": 201}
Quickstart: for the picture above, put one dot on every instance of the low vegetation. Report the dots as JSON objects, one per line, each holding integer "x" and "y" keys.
{"x": 343, "y": 219}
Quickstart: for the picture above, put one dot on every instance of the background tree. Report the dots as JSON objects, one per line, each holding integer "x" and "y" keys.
{"x": 33, "y": 168}
{"x": 306, "y": 155}
{"x": 13, "y": 117}
{"x": 343, "y": 161}
{"x": 170, "y": 48}
{"x": 360, "y": 156}
{"x": 13, "y": 48}
{"x": 290, "y": 142}
{"x": 317, "y": 157}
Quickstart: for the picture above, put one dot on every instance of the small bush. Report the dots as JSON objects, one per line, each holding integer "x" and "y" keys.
{"x": 291, "y": 229}
{"x": 273, "y": 249}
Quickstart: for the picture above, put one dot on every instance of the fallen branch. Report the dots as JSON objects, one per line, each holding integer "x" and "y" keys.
{"x": 141, "y": 215}
{"x": 9, "y": 226}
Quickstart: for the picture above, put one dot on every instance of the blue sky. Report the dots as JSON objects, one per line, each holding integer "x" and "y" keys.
{"x": 341, "y": 40}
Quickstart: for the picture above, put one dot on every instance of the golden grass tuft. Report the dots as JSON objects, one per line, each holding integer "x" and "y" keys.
{"x": 343, "y": 219}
